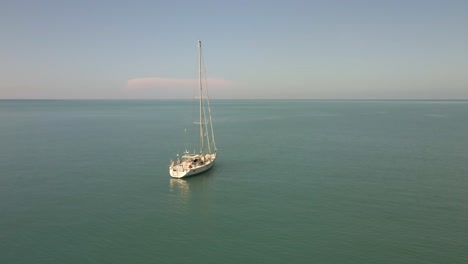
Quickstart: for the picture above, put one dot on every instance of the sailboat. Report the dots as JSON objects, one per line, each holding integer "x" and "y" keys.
{"x": 196, "y": 162}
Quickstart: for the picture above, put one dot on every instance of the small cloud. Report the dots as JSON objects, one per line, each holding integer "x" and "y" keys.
{"x": 158, "y": 83}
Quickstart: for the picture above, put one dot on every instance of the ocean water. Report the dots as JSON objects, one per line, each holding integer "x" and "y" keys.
{"x": 294, "y": 182}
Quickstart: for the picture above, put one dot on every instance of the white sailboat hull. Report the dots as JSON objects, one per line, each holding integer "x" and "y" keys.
{"x": 184, "y": 170}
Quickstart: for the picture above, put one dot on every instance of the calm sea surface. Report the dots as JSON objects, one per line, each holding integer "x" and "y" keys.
{"x": 294, "y": 182}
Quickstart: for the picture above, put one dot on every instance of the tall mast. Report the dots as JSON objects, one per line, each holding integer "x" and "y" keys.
{"x": 200, "y": 94}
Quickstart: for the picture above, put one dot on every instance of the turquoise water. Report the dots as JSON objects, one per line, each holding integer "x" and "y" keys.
{"x": 294, "y": 182}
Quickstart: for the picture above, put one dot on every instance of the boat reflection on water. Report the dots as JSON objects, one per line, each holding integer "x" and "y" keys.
{"x": 186, "y": 189}
{"x": 179, "y": 191}
{"x": 179, "y": 185}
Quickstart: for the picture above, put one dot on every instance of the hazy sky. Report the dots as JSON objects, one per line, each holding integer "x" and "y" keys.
{"x": 252, "y": 49}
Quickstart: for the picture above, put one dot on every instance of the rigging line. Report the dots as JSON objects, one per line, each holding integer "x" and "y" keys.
{"x": 211, "y": 126}
{"x": 205, "y": 121}
{"x": 205, "y": 131}
{"x": 194, "y": 105}
{"x": 209, "y": 106}
{"x": 200, "y": 83}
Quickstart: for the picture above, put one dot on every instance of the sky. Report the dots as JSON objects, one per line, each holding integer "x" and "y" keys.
{"x": 411, "y": 49}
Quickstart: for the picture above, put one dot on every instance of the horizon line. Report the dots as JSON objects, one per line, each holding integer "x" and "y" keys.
{"x": 214, "y": 99}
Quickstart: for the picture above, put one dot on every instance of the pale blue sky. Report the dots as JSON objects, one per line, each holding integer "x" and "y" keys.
{"x": 253, "y": 49}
